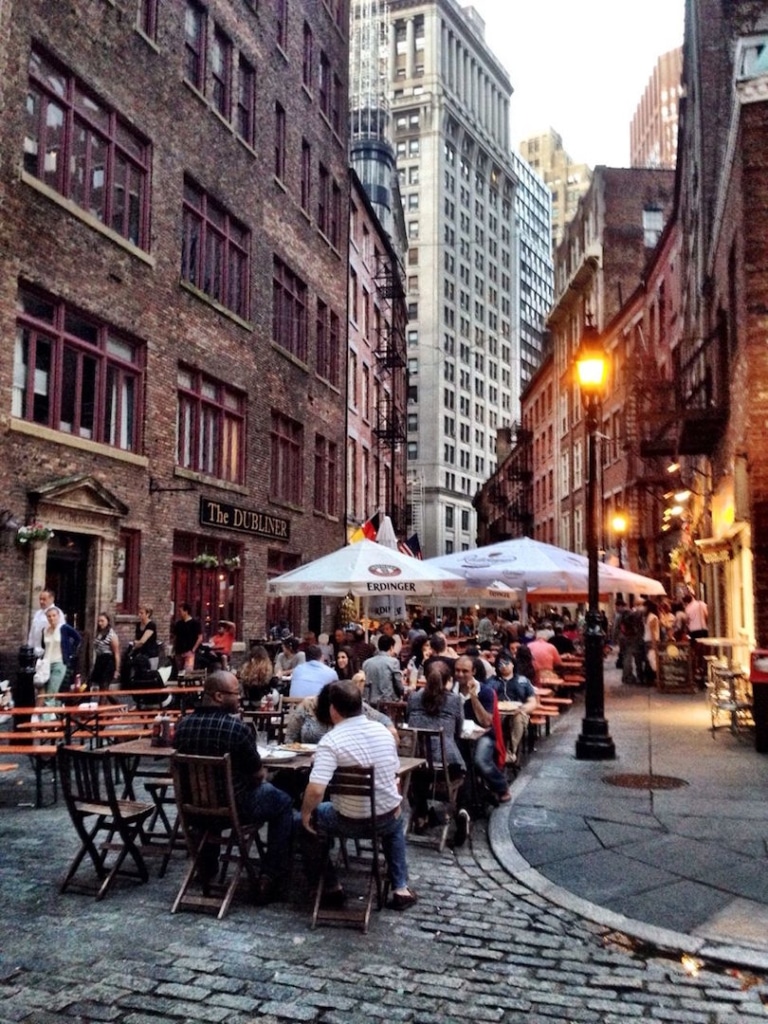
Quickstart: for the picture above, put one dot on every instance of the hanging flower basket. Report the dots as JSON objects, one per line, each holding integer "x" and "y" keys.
{"x": 207, "y": 561}
{"x": 232, "y": 563}
{"x": 33, "y": 533}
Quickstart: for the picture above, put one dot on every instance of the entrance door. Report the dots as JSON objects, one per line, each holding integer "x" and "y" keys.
{"x": 66, "y": 574}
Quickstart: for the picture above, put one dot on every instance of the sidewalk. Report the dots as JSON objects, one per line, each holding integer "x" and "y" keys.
{"x": 683, "y": 868}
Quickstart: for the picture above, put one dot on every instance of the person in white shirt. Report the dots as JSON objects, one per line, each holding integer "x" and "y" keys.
{"x": 308, "y": 679}
{"x": 39, "y": 622}
{"x": 355, "y": 740}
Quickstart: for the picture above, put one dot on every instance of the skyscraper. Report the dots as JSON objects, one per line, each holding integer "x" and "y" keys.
{"x": 653, "y": 131}
{"x": 449, "y": 101}
{"x": 567, "y": 181}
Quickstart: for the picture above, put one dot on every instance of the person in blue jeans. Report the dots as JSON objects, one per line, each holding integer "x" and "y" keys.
{"x": 214, "y": 729}
{"x": 479, "y": 701}
{"x": 356, "y": 740}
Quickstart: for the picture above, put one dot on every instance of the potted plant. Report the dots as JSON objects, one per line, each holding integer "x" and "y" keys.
{"x": 34, "y": 533}
{"x": 206, "y": 561}
{"x": 233, "y": 562}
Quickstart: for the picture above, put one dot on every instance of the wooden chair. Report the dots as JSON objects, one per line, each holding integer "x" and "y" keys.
{"x": 216, "y": 838}
{"x": 394, "y": 710}
{"x": 430, "y": 744}
{"x": 356, "y": 782}
{"x": 88, "y": 785}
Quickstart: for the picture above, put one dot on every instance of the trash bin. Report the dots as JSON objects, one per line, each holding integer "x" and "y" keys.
{"x": 758, "y": 676}
{"x": 23, "y": 687}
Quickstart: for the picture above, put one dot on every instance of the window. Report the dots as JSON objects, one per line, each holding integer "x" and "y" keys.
{"x": 328, "y": 344}
{"x": 76, "y": 374}
{"x": 289, "y": 311}
{"x": 465, "y": 519}
{"x": 653, "y": 225}
{"x": 282, "y": 23}
{"x": 324, "y": 85}
{"x": 323, "y": 198}
{"x": 306, "y": 175}
{"x": 215, "y": 251}
{"x": 210, "y": 432}
{"x": 85, "y": 151}
{"x": 128, "y": 562}
{"x": 279, "y": 142}
{"x": 147, "y": 21}
{"x": 306, "y": 67}
{"x": 326, "y": 477}
{"x": 194, "y": 45}
{"x": 286, "y": 469}
{"x": 334, "y": 226}
{"x": 449, "y": 515}
{"x": 244, "y": 112}
{"x": 221, "y": 73}
{"x": 337, "y": 104}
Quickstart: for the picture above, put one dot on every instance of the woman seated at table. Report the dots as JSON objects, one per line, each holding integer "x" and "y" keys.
{"x": 434, "y": 707}
{"x": 257, "y": 675}
{"x": 346, "y": 664}
{"x": 421, "y": 649}
{"x": 311, "y": 720}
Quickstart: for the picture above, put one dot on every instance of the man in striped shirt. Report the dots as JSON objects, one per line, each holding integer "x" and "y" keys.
{"x": 355, "y": 740}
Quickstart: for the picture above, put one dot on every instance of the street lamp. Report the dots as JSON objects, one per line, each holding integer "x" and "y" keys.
{"x": 619, "y": 523}
{"x": 594, "y": 743}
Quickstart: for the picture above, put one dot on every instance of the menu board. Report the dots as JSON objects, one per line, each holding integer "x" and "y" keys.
{"x": 675, "y": 669}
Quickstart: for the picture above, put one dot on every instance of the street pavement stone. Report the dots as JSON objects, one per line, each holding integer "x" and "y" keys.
{"x": 480, "y": 945}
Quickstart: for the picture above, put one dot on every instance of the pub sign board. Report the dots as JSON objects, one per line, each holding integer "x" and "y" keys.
{"x": 246, "y": 520}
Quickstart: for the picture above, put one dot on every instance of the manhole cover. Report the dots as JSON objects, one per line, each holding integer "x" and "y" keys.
{"x": 645, "y": 781}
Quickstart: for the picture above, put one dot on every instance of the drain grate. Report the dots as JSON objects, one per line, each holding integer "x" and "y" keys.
{"x": 644, "y": 781}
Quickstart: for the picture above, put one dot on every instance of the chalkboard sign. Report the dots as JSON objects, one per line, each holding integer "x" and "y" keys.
{"x": 675, "y": 675}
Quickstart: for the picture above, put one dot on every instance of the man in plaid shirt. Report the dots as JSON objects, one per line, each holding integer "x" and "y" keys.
{"x": 214, "y": 729}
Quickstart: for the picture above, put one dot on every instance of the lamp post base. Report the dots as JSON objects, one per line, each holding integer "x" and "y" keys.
{"x": 595, "y": 743}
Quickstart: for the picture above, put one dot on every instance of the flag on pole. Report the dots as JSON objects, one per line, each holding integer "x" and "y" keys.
{"x": 367, "y": 531}
{"x": 411, "y": 546}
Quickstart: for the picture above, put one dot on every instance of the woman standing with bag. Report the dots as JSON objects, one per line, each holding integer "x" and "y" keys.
{"x": 61, "y": 643}
{"x": 106, "y": 667}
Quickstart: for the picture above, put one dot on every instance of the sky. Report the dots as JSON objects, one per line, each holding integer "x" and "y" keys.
{"x": 579, "y": 66}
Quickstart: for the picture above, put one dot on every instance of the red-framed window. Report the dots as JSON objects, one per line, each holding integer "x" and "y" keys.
{"x": 289, "y": 310}
{"x": 328, "y": 344}
{"x": 279, "y": 142}
{"x": 221, "y": 72}
{"x": 128, "y": 570}
{"x": 282, "y": 612}
{"x": 326, "y": 497}
{"x": 246, "y": 100}
{"x": 215, "y": 250}
{"x": 286, "y": 476}
{"x": 195, "y": 30}
{"x": 75, "y": 373}
{"x": 214, "y": 593}
{"x": 147, "y": 18}
{"x": 84, "y": 150}
{"x": 211, "y": 426}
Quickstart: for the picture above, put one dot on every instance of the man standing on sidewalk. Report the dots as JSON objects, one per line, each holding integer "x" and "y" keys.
{"x": 696, "y": 619}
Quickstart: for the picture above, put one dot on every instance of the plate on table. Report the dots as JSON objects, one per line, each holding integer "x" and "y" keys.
{"x": 300, "y": 748}
{"x": 276, "y": 754}
{"x": 510, "y": 705}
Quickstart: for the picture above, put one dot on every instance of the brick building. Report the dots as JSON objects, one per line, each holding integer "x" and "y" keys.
{"x": 173, "y": 178}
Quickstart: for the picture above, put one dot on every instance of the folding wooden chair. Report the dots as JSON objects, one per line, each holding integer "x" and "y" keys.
{"x": 356, "y": 782}
{"x": 430, "y": 744}
{"x": 394, "y": 710}
{"x": 88, "y": 785}
{"x": 215, "y": 836}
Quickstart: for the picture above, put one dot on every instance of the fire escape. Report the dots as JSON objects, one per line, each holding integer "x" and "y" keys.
{"x": 390, "y": 424}
{"x": 519, "y": 474}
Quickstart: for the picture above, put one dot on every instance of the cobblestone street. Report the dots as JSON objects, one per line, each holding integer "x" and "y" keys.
{"x": 478, "y": 946}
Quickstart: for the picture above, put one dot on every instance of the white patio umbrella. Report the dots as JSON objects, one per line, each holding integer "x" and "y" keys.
{"x": 540, "y": 571}
{"x": 386, "y": 606}
{"x": 367, "y": 569}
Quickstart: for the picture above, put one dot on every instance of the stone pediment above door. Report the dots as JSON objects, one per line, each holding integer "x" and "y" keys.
{"x": 78, "y": 503}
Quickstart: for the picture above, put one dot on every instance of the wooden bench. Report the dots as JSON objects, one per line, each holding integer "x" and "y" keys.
{"x": 41, "y": 748}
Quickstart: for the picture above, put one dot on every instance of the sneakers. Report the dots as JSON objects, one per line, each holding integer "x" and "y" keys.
{"x": 401, "y": 901}
{"x": 463, "y": 824}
